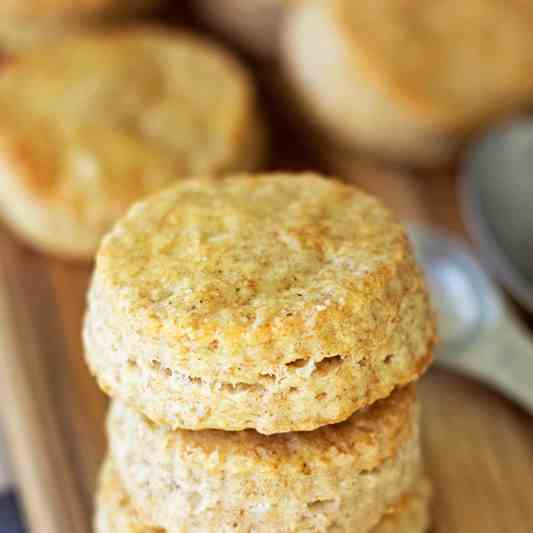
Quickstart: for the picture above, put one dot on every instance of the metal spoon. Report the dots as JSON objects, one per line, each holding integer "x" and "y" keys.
{"x": 480, "y": 336}
{"x": 497, "y": 200}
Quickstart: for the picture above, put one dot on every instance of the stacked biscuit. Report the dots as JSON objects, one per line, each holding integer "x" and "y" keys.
{"x": 285, "y": 317}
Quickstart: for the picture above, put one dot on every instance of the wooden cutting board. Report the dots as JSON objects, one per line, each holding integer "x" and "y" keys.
{"x": 479, "y": 446}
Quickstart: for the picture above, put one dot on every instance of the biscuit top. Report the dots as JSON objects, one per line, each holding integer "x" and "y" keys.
{"x": 30, "y": 8}
{"x": 364, "y": 441}
{"x": 94, "y": 122}
{"x": 255, "y": 270}
{"x": 454, "y": 58}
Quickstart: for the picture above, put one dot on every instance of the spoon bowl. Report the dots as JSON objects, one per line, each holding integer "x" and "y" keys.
{"x": 497, "y": 202}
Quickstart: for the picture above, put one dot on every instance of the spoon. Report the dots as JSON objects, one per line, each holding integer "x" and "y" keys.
{"x": 480, "y": 335}
{"x": 497, "y": 202}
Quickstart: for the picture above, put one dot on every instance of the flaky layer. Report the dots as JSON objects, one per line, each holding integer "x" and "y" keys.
{"x": 120, "y": 115}
{"x": 348, "y": 474}
{"x": 115, "y": 512}
{"x": 276, "y": 302}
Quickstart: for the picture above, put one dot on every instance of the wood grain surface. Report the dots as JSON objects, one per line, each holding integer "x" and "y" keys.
{"x": 479, "y": 446}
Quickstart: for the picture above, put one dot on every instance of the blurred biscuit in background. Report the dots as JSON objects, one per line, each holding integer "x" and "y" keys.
{"x": 91, "y": 124}
{"x": 27, "y": 23}
{"x": 409, "y": 82}
{"x": 253, "y": 24}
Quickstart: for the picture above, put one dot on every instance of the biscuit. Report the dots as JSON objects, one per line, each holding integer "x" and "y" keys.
{"x": 346, "y": 475}
{"x": 278, "y": 302}
{"x": 91, "y": 124}
{"x": 116, "y": 514}
{"x": 409, "y": 82}
{"x": 253, "y": 24}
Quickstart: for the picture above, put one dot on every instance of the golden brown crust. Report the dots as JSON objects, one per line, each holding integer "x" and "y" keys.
{"x": 249, "y": 263}
{"x": 281, "y": 286}
{"x": 118, "y": 116}
{"x": 275, "y": 302}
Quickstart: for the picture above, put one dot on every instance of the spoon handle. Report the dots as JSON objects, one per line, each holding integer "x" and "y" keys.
{"x": 504, "y": 359}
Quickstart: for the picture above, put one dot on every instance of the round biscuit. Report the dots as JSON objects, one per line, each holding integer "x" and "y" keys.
{"x": 279, "y": 302}
{"x": 346, "y": 476}
{"x": 408, "y": 83}
{"x": 93, "y": 123}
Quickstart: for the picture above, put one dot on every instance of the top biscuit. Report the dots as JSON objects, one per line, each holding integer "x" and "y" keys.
{"x": 93, "y": 123}
{"x": 275, "y": 302}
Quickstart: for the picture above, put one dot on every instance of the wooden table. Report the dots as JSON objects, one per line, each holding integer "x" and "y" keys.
{"x": 479, "y": 446}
